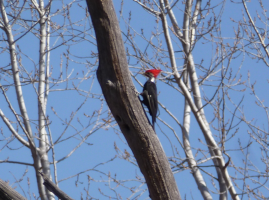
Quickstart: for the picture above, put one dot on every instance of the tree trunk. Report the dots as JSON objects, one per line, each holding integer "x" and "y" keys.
{"x": 114, "y": 77}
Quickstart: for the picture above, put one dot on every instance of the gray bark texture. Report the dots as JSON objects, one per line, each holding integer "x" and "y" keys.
{"x": 8, "y": 193}
{"x": 54, "y": 188}
{"x": 115, "y": 80}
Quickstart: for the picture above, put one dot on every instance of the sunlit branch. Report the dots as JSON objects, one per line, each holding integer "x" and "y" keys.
{"x": 256, "y": 30}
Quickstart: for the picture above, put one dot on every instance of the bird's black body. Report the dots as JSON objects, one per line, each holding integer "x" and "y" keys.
{"x": 150, "y": 99}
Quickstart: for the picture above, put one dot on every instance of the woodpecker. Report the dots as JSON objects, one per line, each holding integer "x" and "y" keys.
{"x": 149, "y": 93}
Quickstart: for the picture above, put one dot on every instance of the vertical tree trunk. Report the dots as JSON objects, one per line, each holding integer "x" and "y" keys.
{"x": 114, "y": 77}
{"x": 27, "y": 127}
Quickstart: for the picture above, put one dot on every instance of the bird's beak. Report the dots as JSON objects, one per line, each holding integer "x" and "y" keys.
{"x": 142, "y": 73}
{"x": 146, "y": 74}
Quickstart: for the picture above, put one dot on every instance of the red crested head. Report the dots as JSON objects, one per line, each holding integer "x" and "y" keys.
{"x": 152, "y": 72}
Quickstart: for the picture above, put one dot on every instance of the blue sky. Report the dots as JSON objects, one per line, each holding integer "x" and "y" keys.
{"x": 100, "y": 145}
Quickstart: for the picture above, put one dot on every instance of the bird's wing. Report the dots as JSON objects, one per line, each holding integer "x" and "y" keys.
{"x": 149, "y": 98}
{"x": 153, "y": 103}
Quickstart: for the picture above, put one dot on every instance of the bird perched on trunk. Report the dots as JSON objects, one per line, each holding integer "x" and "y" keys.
{"x": 150, "y": 93}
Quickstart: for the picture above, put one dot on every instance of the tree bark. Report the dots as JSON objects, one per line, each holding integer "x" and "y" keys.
{"x": 114, "y": 78}
{"x": 8, "y": 193}
{"x": 53, "y": 188}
